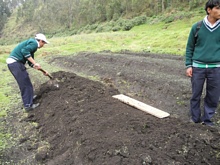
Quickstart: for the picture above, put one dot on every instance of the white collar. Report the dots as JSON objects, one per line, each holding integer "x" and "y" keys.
{"x": 38, "y": 44}
{"x": 209, "y": 24}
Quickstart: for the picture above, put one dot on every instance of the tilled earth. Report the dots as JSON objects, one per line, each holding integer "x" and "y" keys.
{"x": 80, "y": 123}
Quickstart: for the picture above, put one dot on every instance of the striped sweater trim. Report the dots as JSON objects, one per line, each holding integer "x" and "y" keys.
{"x": 205, "y": 65}
{"x": 208, "y": 25}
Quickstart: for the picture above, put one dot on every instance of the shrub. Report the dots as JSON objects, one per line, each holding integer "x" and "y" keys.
{"x": 99, "y": 29}
{"x": 93, "y": 26}
{"x": 120, "y": 22}
{"x": 127, "y": 26}
{"x": 169, "y": 19}
{"x": 116, "y": 28}
{"x": 139, "y": 20}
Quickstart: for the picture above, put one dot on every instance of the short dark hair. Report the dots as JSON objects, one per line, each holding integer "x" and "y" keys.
{"x": 211, "y": 4}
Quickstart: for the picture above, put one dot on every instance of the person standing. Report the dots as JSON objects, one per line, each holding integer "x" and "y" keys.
{"x": 24, "y": 53}
{"x": 202, "y": 61}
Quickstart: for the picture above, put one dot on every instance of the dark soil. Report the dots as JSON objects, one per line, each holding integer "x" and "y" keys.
{"x": 80, "y": 123}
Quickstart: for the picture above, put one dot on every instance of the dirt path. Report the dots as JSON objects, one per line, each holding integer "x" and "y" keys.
{"x": 81, "y": 124}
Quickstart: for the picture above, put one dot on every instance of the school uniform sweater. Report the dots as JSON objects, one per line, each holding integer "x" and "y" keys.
{"x": 204, "y": 52}
{"x": 24, "y": 50}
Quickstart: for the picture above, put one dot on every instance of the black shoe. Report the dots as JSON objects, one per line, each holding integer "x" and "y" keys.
{"x": 208, "y": 124}
{"x": 28, "y": 109}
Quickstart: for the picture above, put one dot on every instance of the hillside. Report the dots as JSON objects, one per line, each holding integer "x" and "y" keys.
{"x": 109, "y": 16}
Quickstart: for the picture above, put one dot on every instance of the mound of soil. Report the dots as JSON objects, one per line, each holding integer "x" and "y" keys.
{"x": 80, "y": 123}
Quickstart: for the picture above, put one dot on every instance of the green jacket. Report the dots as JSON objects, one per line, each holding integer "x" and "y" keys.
{"x": 207, "y": 47}
{"x": 24, "y": 50}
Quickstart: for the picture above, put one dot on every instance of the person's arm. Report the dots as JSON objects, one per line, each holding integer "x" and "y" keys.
{"x": 189, "y": 51}
{"x": 35, "y": 65}
{"x": 190, "y": 46}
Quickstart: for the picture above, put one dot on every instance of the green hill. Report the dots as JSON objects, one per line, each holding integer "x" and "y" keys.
{"x": 66, "y": 18}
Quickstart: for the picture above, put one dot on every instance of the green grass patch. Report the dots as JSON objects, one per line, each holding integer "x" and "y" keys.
{"x": 6, "y": 95}
{"x": 6, "y": 78}
{"x": 167, "y": 38}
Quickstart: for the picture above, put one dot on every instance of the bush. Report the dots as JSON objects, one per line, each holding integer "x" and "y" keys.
{"x": 127, "y": 26}
{"x": 116, "y": 28}
{"x": 93, "y": 26}
{"x": 99, "y": 29}
{"x": 169, "y": 19}
{"x": 120, "y": 22}
{"x": 139, "y": 20}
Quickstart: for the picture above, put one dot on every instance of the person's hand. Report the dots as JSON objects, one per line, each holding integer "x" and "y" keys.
{"x": 37, "y": 66}
{"x": 45, "y": 73}
{"x": 189, "y": 72}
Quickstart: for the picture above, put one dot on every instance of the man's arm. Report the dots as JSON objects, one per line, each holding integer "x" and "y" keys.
{"x": 34, "y": 63}
{"x": 190, "y": 46}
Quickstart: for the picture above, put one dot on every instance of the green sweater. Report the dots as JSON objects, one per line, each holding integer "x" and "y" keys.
{"x": 24, "y": 50}
{"x": 207, "y": 47}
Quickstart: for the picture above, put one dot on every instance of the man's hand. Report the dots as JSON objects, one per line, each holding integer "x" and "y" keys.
{"x": 44, "y": 72}
{"x": 189, "y": 72}
{"x": 37, "y": 66}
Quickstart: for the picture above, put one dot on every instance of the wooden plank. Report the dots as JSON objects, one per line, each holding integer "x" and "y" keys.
{"x": 142, "y": 106}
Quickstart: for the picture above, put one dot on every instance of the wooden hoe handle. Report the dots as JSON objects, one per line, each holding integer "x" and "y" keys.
{"x": 42, "y": 70}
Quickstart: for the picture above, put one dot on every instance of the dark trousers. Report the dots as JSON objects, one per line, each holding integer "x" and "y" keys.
{"x": 19, "y": 72}
{"x": 212, "y": 78}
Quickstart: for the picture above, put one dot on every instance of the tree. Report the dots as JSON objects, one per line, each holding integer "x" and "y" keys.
{"x": 74, "y": 14}
{"x": 4, "y": 13}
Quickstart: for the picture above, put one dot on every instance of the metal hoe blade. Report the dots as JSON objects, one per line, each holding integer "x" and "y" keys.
{"x": 52, "y": 80}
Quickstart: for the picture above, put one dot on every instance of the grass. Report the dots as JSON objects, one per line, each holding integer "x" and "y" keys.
{"x": 167, "y": 38}
{"x": 5, "y": 88}
{"x": 4, "y": 102}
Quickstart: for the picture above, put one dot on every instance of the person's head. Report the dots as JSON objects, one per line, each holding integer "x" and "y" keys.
{"x": 211, "y": 4}
{"x": 41, "y": 39}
